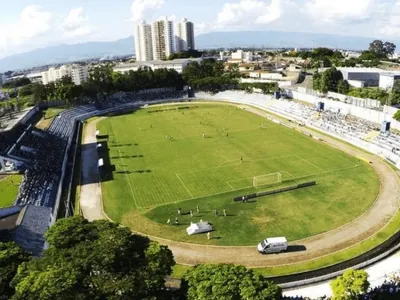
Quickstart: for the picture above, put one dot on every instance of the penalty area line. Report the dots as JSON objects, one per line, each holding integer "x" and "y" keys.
{"x": 180, "y": 179}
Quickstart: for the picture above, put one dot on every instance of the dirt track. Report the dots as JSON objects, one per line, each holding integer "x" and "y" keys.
{"x": 359, "y": 229}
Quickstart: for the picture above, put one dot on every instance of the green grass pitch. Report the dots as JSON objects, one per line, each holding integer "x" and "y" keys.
{"x": 9, "y": 190}
{"x": 163, "y": 162}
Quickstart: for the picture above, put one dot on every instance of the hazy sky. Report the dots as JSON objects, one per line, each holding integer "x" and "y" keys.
{"x": 29, "y": 24}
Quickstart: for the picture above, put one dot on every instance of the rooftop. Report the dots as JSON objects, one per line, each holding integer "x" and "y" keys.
{"x": 177, "y": 61}
{"x": 8, "y": 124}
{"x": 32, "y": 223}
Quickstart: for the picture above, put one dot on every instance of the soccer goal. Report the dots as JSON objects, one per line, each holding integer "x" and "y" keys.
{"x": 267, "y": 179}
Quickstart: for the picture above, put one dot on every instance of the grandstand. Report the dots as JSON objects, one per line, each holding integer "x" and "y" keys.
{"x": 42, "y": 156}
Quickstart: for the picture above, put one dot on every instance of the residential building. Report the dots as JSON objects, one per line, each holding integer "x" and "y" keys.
{"x": 387, "y": 80}
{"x": 35, "y": 77}
{"x": 143, "y": 42}
{"x": 162, "y": 33}
{"x": 242, "y": 56}
{"x": 184, "y": 36}
{"x": 176, "y": 64}
{"x": 78, "y": 73}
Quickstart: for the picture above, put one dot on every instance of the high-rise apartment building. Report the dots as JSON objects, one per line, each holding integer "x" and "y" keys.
{"x": 162, "y": 33}
{"x": 184, "y": 36}
{"x": 143, "y": 42}
{"x": 78, "y": 74}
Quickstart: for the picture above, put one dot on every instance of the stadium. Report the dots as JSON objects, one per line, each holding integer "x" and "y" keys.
{"x": 158, "y": 161}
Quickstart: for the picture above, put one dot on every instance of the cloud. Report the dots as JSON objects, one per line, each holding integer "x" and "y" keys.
{"x": 328, "y": 11}
{"x": 391, "y": 26}
{"x": 142, "y": 9}
{"x": 76, "y": 24}
{"x": 247, "y": 12}
{"x": 34, "y": 21}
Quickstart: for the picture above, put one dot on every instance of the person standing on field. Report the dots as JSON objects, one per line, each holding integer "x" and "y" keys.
{"x": 209, "y": 235}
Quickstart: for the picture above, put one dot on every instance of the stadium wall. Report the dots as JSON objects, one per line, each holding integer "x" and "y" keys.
{"x": 29, "y": 115}
{"x": 372, "y": 115}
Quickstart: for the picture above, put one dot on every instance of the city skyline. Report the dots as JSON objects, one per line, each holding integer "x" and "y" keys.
{"x": 27, "y": 25}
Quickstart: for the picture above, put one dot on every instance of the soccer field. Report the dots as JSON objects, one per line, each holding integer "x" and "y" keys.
{"x": 9, "y": 190}
{"x": 208, "y": 153}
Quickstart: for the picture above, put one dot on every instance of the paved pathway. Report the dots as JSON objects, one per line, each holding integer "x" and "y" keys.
{"x": 90, "y": 197}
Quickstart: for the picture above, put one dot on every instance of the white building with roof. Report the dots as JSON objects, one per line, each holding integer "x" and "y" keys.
{"x": 35, "y": 77}
{"x": 387, "y": 80}
{"x": 242, "y": 56}
{"x": 176, "y": 64}
{"x": 78, "y": 73}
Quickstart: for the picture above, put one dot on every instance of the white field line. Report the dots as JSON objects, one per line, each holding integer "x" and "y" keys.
{"x": 238, "y": 163}
{"x": 306, "y": 161}
{"x": 227, "y": 182}
{"x": 244, "y": 188}
{"x": 177, "y": 175}
{"x": 200, "y": 163}
{"x": 126, "y": 173}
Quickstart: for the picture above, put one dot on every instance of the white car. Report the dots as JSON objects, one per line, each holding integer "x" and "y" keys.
{"x": 273, "y": 245}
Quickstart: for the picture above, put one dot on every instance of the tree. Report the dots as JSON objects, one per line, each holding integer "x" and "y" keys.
{"x": 343, "y": 87}
{"x": 316, "y": 81}
{"x": 11, "y": 256}
{"x": 25, "y": 90}
{"x": 97, "y": 260}
{"x": 396, "y": 116}
{"x": 350, "y": 285}
{"x": 382, "y": 50}
{"x": 39, "y": 92}
{"x": 322, "y": 52}
{"x": 389, "y": 48}
{"x": 377, "y": 47}
{"x": 224, "y": 281}
{"x": 329, "y": 80}
{"x": 234, "y": 71}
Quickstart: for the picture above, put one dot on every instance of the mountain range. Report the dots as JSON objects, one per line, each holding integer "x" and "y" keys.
{"x": 126, "y": 46}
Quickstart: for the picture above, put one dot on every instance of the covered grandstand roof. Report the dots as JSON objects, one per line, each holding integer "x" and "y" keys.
{"x": 31, "y": 227}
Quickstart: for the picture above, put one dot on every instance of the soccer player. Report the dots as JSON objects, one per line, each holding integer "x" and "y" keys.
{"x": 224, "y": 212}
{"x": 198, "y": 209}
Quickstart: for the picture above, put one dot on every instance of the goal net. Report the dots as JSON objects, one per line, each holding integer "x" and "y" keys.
{"x": 267, "y": 179}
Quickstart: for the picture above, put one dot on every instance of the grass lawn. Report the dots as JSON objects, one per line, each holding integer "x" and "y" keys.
{"x": 154, "y": 176}
{"x": 49, "y": 116}
{"x": 9, "y": 190}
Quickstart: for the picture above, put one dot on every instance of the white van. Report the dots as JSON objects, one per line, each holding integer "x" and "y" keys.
{"x": 273, "y": 245}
